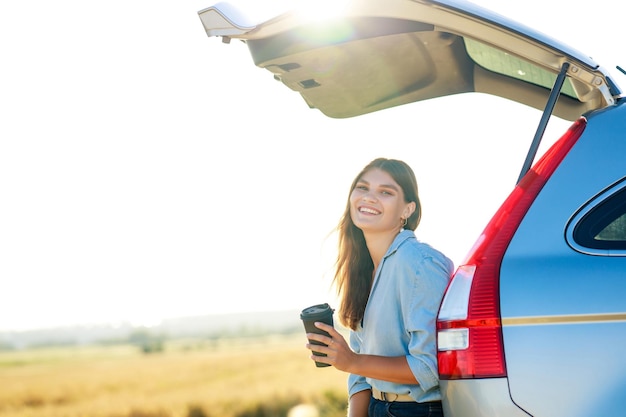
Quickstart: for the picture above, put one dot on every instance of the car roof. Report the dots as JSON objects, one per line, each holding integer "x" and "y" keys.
{"x": 377, "y": 55}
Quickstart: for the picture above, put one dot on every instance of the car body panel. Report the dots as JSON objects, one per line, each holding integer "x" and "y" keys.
{"x": 564, "y": 312}
{"x": 479, "y": 397}
{"x": 348, "y": 66}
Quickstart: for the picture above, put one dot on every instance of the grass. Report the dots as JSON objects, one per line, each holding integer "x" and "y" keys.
{"x": 259, "y": 377}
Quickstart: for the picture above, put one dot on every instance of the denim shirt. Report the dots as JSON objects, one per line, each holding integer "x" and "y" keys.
{"x": 400, "y": 316}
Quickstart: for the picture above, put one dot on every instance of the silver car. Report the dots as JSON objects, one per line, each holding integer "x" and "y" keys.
{"x": 534, "y": 320}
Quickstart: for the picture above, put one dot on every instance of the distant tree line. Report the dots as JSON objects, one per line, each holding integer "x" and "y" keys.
{"x": 148, "y": 340}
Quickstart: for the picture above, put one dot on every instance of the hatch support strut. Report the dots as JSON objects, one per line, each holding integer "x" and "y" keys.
{"x": 547, "y": 112}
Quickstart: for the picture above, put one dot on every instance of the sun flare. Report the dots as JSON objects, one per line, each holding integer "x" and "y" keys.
{"x": 321, "y": 10}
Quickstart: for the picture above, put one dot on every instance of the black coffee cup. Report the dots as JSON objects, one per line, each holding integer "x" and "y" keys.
{"x": 317, "y": 313}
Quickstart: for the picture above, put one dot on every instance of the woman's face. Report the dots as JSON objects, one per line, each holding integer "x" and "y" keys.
{"x": 377, "y": 203}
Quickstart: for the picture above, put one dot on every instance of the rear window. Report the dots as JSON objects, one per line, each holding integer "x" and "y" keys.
{"x": 509, "y": 65}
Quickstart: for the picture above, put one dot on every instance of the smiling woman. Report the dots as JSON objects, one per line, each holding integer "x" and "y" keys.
{"x": 389, "y": 283}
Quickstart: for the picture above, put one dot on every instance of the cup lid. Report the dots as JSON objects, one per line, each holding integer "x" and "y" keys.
{"x": 318, "y": 310}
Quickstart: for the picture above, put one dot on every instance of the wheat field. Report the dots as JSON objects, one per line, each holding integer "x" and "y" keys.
{"x": 260, "y": 377}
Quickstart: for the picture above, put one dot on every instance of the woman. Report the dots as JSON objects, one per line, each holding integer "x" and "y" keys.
{"x": 390, "y": 286}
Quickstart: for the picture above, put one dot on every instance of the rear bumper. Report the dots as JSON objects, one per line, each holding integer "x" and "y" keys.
{"x": 479, "y": 398}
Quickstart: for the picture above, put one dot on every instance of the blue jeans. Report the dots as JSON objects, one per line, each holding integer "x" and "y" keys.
{"x": 404, "y": 409}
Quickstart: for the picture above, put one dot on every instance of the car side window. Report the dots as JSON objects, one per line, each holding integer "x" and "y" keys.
{"x": 614, "y": 231}
{"x": 603, "y": 226}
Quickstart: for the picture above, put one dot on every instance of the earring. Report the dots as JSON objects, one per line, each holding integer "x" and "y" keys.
{"x": 403, "y": 222}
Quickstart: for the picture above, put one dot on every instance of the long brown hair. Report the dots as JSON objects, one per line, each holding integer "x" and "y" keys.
{"x": 354, "y": 266}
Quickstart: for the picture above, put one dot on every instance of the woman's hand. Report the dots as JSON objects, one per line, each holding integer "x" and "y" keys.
{"x": 338, "y": 353}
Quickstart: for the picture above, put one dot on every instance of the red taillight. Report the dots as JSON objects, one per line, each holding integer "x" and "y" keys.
{"x": 469, "y": 331}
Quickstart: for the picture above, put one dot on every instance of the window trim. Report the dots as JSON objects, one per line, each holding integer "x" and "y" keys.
{"x": 584, "y": 213}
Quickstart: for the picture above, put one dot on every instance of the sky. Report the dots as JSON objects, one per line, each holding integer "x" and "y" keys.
{"x": 148, "y": 171}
